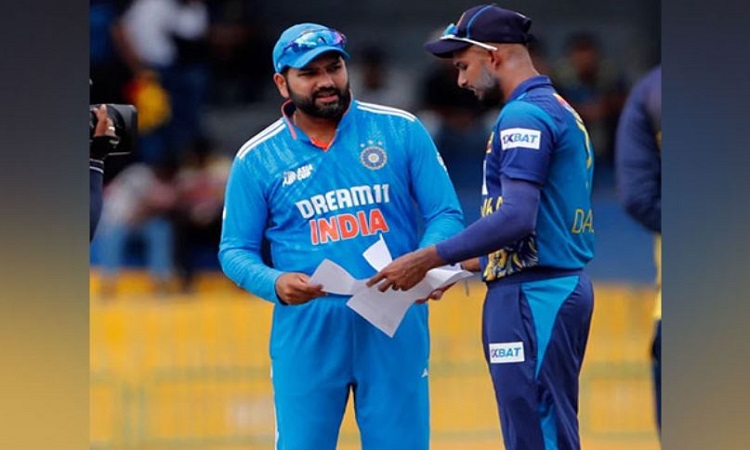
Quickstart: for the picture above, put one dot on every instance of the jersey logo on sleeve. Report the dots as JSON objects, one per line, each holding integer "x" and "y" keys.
{"x": 520, "y": 138}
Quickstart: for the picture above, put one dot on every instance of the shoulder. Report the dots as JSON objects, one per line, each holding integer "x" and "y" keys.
{"x": 651, "y": 82}
{"x": 525, "y": 112}
{"x": 265, "y": 139}
{"x": 384, "y": 112}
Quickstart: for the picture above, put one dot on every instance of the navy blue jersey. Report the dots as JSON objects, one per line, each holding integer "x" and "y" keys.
{"x": 638, "y": 152}
{"x": 540, "y": 138}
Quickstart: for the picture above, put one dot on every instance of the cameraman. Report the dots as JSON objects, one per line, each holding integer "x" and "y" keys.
{"x": 103, "y": 142}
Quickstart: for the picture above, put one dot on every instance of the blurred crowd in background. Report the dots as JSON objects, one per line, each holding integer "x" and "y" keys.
{"x": 199, "y": 73}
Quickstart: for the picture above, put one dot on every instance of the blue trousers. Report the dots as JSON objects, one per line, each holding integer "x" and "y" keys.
{"x": 322, "y": 351}
{"x": 535, "y": 334}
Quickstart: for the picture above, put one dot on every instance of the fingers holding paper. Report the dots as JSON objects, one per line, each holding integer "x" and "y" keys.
{"x": 437, "y": 294}
{"x": 405, "y": 272}
{"x": 294, "y": 288}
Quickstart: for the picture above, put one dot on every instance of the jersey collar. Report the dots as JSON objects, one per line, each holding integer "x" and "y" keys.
{"x": 529, "y": 84}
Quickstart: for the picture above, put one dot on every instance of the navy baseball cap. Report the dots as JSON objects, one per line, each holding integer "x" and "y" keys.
{"x": 300, "y": 44}
{"x": 479, "y": 25}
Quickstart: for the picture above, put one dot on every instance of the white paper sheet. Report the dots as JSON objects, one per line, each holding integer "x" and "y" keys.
{"x": 335, "y": 279}
{"x": 384, "y": 310}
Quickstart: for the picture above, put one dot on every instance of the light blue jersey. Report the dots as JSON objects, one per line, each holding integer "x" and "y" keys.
{"x": 539, "y": 138}
{"x": 380, "y": 174}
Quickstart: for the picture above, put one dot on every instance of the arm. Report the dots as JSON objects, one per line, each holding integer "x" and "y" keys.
{"x": 104, "y": 141}
{"x": 245, "y": 216}
{"x": 96, "y": 182}
{"x": 432, "y": 189}
{"x": 524, "y": 169}
{"x": 638, "y": 162}
{"x": 515, "y": 219}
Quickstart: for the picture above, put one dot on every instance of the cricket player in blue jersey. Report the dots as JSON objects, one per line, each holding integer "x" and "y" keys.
{"x": 535, "y": 236}
{"x": 325, "y": 181}
{"x": 638, "y": 168}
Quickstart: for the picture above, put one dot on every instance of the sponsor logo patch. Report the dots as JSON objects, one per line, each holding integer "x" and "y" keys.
{"x": 296, "y": 175}
{"x": 506, "y": 352}
{"x": 520, "y": 138}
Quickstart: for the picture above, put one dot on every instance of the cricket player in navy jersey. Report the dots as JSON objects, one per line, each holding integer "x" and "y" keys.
{"x": 325, "y": 181}
{"x": 535, "y": 236}
{"x": 638, "y": 168}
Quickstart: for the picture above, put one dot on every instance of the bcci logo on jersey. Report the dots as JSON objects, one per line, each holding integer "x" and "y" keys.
{"x": 373, "y": 157}
{"x": 506, "y": 352}
{"x": 520, "y": 138}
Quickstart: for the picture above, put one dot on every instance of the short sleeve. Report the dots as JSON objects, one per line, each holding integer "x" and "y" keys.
{"x": 524, "y": 139}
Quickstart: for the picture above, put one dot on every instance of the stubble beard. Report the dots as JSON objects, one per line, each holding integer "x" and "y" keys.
{"x": 488, "y": 89}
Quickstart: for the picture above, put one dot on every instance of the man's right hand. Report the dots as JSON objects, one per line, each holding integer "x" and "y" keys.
{"x": 294, "y": 289}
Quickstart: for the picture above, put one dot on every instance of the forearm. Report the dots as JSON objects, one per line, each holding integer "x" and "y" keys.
{"x": 446, "y": 224}
{"x": 96, "y": 183}
{"x": 513, "y": 220}
{"x": 645, "y": 207}
{"x": 247, "y": 270}
{"x": 639, "y": 188}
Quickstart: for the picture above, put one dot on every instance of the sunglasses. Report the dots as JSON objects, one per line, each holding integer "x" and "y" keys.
{"x": 451, "y": 34}
{"x": 314, "y": 38}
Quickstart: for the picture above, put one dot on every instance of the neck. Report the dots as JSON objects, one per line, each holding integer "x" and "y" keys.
{"x": 317, "y": 128}
{"x": 514, "y": 79}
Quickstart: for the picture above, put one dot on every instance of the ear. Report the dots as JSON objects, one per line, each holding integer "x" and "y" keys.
{"x": 281, "y": 85}
{"x": 495, "y": 58}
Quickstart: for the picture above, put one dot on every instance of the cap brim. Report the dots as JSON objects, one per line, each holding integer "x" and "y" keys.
{"x": 305, "y": 59}
{"x": 444, "y": 48}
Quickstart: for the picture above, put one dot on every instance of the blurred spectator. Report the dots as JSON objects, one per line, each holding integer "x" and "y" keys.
{"x": 455, "y": 118}
{"x": 164, "y": 44}
{"x": 237, "y": 40}
{"x": 596, "y": 89}
{"x": 374, "y": 80}
{"x": 107, "y": 70}
{"x": 638, "y": 168}
{"x": 137, "y": 205}
{"x": 200, "y": 185}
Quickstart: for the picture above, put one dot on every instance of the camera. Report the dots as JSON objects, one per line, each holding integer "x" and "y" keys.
{"x": 125, "y": 120}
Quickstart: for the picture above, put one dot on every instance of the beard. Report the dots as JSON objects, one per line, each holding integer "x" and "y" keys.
{"x": 488, "y": 89}
{"x": 329, "y": 110}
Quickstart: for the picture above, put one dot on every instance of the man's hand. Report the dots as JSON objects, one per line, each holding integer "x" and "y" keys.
{"x": 406, "y": 271}
{"x": 105, "y": 139}
{"x": 294, "y": 289}
{"x": 437, "y": 294}
{"x": 104, "y": 125}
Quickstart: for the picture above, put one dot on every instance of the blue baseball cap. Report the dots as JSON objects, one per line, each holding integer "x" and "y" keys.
{"x": 300, "y": 44}
{"x": 479, "y": 25}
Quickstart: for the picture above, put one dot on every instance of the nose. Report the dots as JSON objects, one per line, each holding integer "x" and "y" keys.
{"x": 462, "y": 81}
{"x": 326, "y": 81}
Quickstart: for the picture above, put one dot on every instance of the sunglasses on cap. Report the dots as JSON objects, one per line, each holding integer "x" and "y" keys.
{"x": 451, "y": 34}
{"x": 313, "y": 38}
